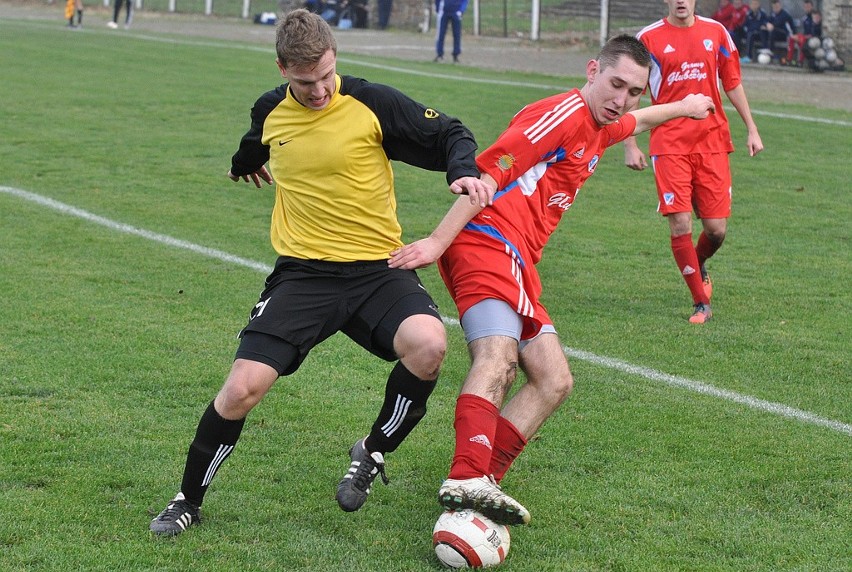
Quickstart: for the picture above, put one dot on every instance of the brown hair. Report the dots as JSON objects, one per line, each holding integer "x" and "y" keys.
{"x": 624, "y": 45}
{"x": 302, "y": 38}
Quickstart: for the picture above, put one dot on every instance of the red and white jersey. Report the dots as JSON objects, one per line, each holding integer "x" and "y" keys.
{"x": 691, "y": 60}
{"x": 540, "y": 162}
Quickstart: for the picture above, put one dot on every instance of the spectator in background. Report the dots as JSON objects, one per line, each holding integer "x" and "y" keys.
{"x": 449, "y": 12}
{"x": 355, "y": 11}
{"x": 314, "y": 6}
{"x": 780, "y": 26}
{"x": 725, "y": 14}
{"x": 385, "y": 7}
{"x": 755, "y": 29}
{"x": 72, "y": 7}
{"x": 128, "y": 19}
{"x": 810, "y": 26}
{"x": 738, "y": 32}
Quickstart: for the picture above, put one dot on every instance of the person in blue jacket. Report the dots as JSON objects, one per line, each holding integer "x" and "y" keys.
{"x": 781, "y": 26}
{"x": 755, "y": 29}
{"x": 449, "y": 12}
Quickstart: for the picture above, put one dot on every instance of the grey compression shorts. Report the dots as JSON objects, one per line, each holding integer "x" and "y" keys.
{"x": 492, "y": 317}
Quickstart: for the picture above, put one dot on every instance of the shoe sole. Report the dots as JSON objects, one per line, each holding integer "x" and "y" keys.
{"x": 501, "y": 514}
{"x": 704, "y": 321}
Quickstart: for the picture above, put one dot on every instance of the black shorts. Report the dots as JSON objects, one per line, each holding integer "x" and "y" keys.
{"x": 306, "y": 301}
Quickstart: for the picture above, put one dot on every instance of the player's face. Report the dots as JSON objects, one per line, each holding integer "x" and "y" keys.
{"x": 614, "y": 91}
{"x": 313, "y": 85}
{"x": 681, "y": 10}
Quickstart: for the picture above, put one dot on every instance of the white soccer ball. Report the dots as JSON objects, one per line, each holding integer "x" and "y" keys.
{"x": 819, "y": 53}
{"x": 467, "y": 539}
{"x": 828, "y": 43}
{"x": 813, "y": 43}
{"x": 764, "y": 58}
{"x": 830, "y": 56}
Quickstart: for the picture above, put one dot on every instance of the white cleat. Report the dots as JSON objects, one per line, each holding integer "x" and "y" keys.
{"x": 485, "y": 496}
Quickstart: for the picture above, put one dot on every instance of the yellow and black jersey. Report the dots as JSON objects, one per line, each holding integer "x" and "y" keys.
{"x": 334, "y": 183}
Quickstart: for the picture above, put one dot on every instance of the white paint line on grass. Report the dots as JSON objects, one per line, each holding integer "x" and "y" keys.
{"x": 128, "y": 229}
{"x": 612, "y": 363}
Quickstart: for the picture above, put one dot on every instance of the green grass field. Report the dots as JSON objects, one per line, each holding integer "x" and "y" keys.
{"x": 717, "y": 448}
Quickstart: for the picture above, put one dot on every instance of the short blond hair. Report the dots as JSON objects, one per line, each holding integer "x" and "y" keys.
{"x": 302, "y": 38}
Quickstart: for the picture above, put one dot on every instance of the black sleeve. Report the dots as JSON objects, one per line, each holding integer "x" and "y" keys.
{"x": 416, "y": 134}
{"x": 252, "y": 154}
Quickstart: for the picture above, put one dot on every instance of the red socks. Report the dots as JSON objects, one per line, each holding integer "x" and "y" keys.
{"x": 705, "y": 248}
{"x": 687, "y": 262}
{"x": 476, "y": 425}
{"x": 485, "y": 442}
{"x": 508, "y": 444}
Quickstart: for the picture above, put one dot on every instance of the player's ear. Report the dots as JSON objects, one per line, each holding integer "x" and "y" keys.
{"x": 281, "y": 67}
{"x": 592, "y": 70}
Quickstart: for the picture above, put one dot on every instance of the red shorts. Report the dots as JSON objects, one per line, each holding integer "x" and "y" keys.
{"x": 477, "y": 268}
{"x": 699, "y": 182}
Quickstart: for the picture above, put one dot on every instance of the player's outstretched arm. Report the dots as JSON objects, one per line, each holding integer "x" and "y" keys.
{"x": 256, "y": 177}
{"x": 694, "y": 106}
{"x": 427, "y": 250}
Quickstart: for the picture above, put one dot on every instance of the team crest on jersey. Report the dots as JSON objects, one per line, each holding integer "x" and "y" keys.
{"x": 579, "y": 152}
{"x": 430, "y": 113}
{"x": 668, "y": 198}
{"x": 505, "y": 162}
{"x": 708, "y": 45}
{"x": 593, "y": 163}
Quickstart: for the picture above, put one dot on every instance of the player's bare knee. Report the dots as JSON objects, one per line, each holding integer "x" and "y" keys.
{"x": 236, "y": 399}
{"x": 426, "y": 358}
{"x": 563, "y": 387}
{"x": 717, "y": 237}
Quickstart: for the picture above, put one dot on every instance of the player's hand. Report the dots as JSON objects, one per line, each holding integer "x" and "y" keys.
{"x": 478, "y": 190}
{"x": 754, "y": 143}
{"x": 698, "y": 106}
{"x": 256, "y": 177}
{"x": 634, "y": 158}
{"x": 418, "y": 254}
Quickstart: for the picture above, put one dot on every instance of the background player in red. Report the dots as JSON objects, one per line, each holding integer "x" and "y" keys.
{"x": 538, "y": 165}
{"x": 691, "y": 54}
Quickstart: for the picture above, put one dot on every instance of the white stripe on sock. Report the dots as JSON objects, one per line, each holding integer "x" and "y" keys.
{"x": 221, "y": 454}
{"x": 399, "y": 412}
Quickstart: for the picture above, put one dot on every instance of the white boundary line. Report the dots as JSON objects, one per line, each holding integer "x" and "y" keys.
{"x": 612, "y": 363}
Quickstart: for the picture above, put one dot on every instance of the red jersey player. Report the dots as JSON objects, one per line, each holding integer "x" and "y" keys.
{"x": 692, "y": 54}
{"x": 538, "y": 165}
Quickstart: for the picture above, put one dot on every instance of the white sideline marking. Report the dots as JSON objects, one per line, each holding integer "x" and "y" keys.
{"x": 612, "y": 363}
{"x": 126, "y": 228}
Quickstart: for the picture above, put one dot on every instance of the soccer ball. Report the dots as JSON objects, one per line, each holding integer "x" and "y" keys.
{"x": 467, "y": 539}
{"x": 828, "y": 43}
{"x": 764, "y": 58}
{"x": 830, "y": 56}
{"x": 813, "y": 43}
{"x": 819, "y": 53}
